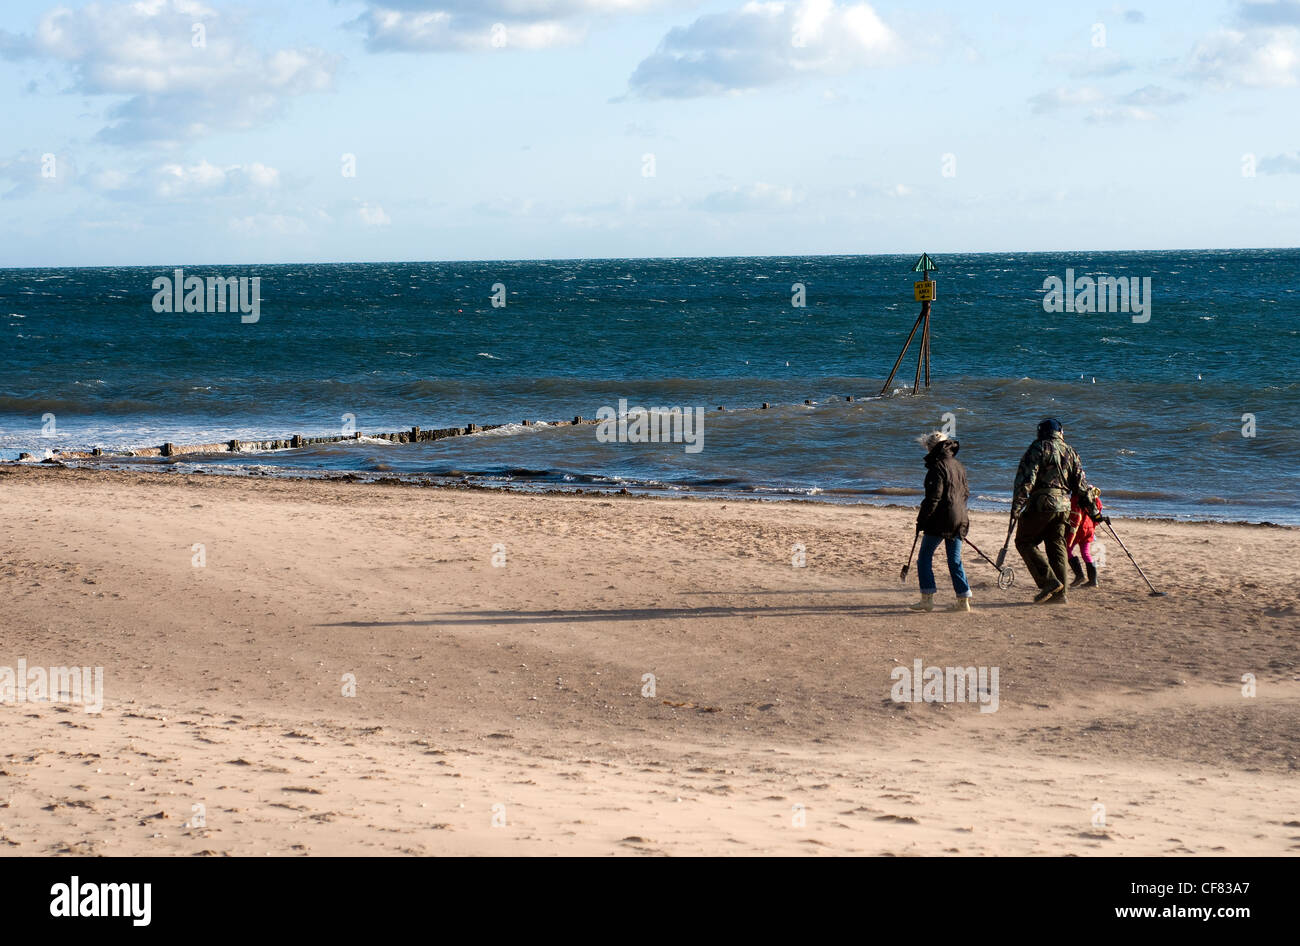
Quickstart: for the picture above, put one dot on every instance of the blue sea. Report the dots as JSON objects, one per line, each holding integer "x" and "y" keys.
{"x": 1157, "y": 409}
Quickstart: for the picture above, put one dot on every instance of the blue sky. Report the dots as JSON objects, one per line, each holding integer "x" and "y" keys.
{"x": 502, "y": 129}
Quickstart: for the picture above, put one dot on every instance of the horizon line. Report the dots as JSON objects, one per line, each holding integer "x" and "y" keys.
{"x": 584, "y": 259}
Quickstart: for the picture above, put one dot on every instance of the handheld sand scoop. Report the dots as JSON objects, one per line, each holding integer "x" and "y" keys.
{"x": 1111, "y": 530}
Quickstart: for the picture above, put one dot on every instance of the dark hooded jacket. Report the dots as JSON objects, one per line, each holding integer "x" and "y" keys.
{"x": 943, "y": 511}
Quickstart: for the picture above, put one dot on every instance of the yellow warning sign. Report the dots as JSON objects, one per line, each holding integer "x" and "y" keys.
{"x": 924, "y": 291}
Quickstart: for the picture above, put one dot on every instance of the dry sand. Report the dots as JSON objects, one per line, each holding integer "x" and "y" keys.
{"x": 514, "y": 694}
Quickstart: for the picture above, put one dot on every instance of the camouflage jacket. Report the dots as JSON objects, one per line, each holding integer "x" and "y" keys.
{"x": 1050, "y": 472}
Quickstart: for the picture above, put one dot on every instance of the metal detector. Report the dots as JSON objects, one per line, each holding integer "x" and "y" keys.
{"x": 1111, "y": 530}
{"x": 1006, "y": 574}
{"x": 902, "y": 575}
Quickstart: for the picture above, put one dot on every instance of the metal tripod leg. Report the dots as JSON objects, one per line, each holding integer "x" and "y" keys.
{"x": 890, "y": 380}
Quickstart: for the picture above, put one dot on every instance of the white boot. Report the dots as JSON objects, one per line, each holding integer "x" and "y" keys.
{"x": 925, "y": 604}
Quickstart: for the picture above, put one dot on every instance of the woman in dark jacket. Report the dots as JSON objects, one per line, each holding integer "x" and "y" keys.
{"x": 943, "y": 516}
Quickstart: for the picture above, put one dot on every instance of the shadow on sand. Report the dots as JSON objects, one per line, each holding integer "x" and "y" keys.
{"x": 656, "y": 614}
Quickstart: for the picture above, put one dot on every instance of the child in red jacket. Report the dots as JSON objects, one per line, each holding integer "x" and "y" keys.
{"x": 1081, "y": 533}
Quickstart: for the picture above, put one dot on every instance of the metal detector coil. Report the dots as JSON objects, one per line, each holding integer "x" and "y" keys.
{"x": 1006, "y": 574}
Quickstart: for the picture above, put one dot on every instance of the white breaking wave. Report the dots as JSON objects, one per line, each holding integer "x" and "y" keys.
{"x": 509, "y": 430}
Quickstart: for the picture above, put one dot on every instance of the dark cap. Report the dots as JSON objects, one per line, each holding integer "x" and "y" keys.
{"x": 1048, "y": 426}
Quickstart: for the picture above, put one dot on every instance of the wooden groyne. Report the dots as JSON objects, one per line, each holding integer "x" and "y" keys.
{"x": 414, "y": 435}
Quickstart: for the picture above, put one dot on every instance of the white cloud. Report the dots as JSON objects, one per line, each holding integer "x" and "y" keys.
{"x": 30, "y": 172}
{"x": 1096, "y": 63}
{"x": 507, "y": 207}
{"x": 109, "y": 180}
{"x": 372, "y": 215}
{"x": 1256, "y": 57}
{"x": 450, "y": 25}
{"x": 261, "y": 175}
{"x": 178, "y": 180}
{"x": 1057, "y": 98}
{"x": 174, "y": 181}
{"x": 1107, "y": 115}
{"x": 1286, "y": 163}
{"x": 764, "y": 43}
{"x": 1106, "y": 109}
{"x": 758, "y": 197}
{"x": 1153, "y": 95}
{"x": 170, "y": 89}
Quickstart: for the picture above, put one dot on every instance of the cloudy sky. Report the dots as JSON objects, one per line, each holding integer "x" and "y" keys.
{"x": 175, "y": 131}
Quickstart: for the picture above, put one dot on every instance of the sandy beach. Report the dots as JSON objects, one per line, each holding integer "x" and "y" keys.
{"x": 503, "y": 707}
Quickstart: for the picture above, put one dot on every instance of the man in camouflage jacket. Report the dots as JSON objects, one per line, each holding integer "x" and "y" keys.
{"x": 1049, "y": 473}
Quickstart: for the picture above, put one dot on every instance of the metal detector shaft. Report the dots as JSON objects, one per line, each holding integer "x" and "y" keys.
{"x": 902, "y": 576}
{"x": 1002, "y": 556}
{"x": 1111, "y": 530}
{"x": 981, "y": 554}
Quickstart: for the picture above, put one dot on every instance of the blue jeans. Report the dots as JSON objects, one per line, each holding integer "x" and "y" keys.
{"x": 925, "y": 568}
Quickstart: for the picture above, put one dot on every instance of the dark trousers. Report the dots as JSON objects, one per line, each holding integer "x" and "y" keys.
{"x": 1050, "y": 529}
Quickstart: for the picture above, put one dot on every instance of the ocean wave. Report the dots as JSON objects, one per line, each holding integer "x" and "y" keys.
{"x": 69, "y": 405}
{"x": 510, "y": 430}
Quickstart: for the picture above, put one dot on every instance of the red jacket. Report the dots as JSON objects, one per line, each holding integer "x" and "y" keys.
{"x": 1082, "y": 528}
